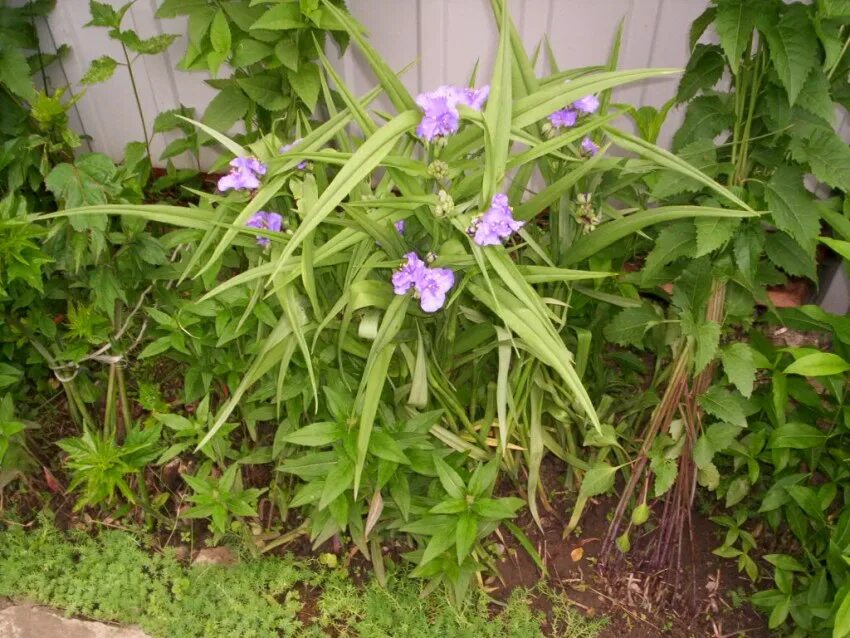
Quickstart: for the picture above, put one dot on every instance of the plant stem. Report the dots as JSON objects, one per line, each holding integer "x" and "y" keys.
{"x": 122, "y": 395}
{"x": 138, "y": 101}
{"x": 838, "y": 59}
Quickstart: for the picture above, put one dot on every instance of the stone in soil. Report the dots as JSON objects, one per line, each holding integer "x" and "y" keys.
{"x": 31, "y": 621}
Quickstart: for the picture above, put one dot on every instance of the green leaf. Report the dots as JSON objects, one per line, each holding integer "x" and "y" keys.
{"x": 629, "y": 325}
{"x": 703, "y": 71}
{"x": 707, "y": 337}
{"x": 338, "y": 480}
{"x": 497, "y": 114}
{"x": 220, "y": 37}
{"x": 818, "y": 364}
{"x": 82, "y": 183}
{"x": 249, "y": 51}
{"x": 225, "y": 109}
{"x": 497, "y": 509}
{"x": 384, "y": 446}
{"x": 265, "y": 90}
{"x": 841, "y": 628}
{"x": 104, "y": 15}
{"x": 673, "y": 242}
{"x": 739, "y": 365}
{"x": 784, "y": 561}
{"x": 100, "y": 70}
{"x": 706, "y": 118}
{"x": 792, "y": 206}
{"x": 306, "y": 84}
{"x": 826, "y": 154}
{"x": 734, "y": 23}
{"x": 725, "y": 405}
{"x": 315, "y": 434}
{"x": 15, "y": 73}
{"x": 449, "y": 478}
{"x": 738, "y": 489}
{"x": 713, "y": 233}
{"x": 815, "y": 97}
{"x": 793, "y": 48}
{"x": 790, "y": 256}
{"x": 280, "y": 17}
{"x": 665, "y": 470}
{"x": 702, "y": 155}
{"x": 796, "y": 436}
{"x": 442, "y": 540}
{"x": 699, "y": 26}
{"x": 466, "y": 533}
{"x": 599, "y": 479}
{"x": 611, "y": 232}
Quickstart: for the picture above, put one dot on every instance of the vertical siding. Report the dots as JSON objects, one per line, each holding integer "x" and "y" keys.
{"x": 445, "y": 38}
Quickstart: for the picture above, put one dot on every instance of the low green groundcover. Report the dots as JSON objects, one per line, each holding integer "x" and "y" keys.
{"x": 113, "y": 577}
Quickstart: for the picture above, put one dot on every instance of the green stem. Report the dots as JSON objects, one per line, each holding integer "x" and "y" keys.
{"x": 138, "y": 101}
{"x": 741, "y": 167}
{"x": 109, "y": 416}
{"x": 122, "y": 395}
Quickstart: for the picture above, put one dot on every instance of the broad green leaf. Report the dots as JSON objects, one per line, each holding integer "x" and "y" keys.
{"x": 796, "y": 436}
{"x": 826, "y": 154}
{"x": 793, "y": 48}
{"x": 225, "y": 109}
{"x": 815, "y": 96}
{"x": 315, "y": 434}
{"x": 220, "y": 37}
{"x": 598, "y": 480}
{"x": 280, "y": 17}
{"x": 713, "y": 233}
{"x": 674, "y": 241}
{"x": 450, "y": 479}
{"x": 704, "y": 69}
{"x": 466, "y": 533}
{"x": 707, "y": 338}
{"x": 789, "y": 256}
{"x": 629, "y": 325}
{"x": 841, "y": 628}
{"x": 739, "y": 365}
{"x": 702, "y": 155}
{"x": 497, "y": 508}
{"x": 100, "y": 70}
{"x": 706, "y": 118}
{"x": 734, "y": 22}
{"x": 738, "y": 490}
{"x": 338, "y": 480}
{"x": 725, "y": 405}
{"x": 818, "y": 364}
{"x": 792, "y": 206}
{"x": 306, "y": 84}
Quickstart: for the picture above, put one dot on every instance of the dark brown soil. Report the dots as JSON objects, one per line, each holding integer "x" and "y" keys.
{"x": 702, "y": 606}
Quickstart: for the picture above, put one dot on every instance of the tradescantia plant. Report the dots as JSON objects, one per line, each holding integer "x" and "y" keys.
{"x": 407, "y": 298}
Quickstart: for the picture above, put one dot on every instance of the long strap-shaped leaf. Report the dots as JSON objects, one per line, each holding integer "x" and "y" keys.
{"x": 613, "y": 231}
{"x": 363, "y": 162}
{"x": 548, "y": 99}
{"x": 665, "y": 158}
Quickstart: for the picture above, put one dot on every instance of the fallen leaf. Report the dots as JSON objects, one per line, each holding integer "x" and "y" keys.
{"x": 577, "y": 554}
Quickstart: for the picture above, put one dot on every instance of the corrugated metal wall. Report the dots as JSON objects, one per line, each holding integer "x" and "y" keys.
{"x": 446, "y": 37}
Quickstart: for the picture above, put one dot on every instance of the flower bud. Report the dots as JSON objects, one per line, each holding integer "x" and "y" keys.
{"x": 438, "y": 169}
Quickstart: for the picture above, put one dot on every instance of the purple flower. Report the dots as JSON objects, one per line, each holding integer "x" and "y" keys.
{"x": 245, "y": 173}
{"x": 288, "y": 147}
{"x": 429, "y": 284}
{"x": 496, "y": 224}
{"x": 473, "y": 98}
{"x": 589, "y": 147}
{"x": 440, "y": 115}
{"x": 432, "y": 286}
{"x": 564, "y": 118}
{"x": 588, "y": 104}
{"x": 263, "y": 220}
{"x": 399, "y": 226}
{"x": 408, "y": 275}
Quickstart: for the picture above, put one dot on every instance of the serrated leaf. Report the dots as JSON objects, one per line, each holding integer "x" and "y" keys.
{"x": 265, "y": 90}
{"x": 306, "y": 84}
{"x": 599, "y": 479}
{"x": 705, "y": 67}
{"x": 629, "y": 325}
{"x": 740, "y": 367}
{"x": 815, "y": 97}
{"x": 100, "y": 70}
{"x": 713, "y": 233}
{"x": 792, "y": 206}
{"x": 793, "y": 48}
{"x": 280, "y": 18}
{"x": 734, "y": 23}
{"x": 708, "y": 476}
{"x": 826, "y": 154}
{"x": 665, "y": 471}
{"x": 707, "y": 338}
{"x": 699, "y": 26}
{"x": 738, "y": 489}
{"x": 707, "y": 116}
{"x": 724, "y": 405}
{"x": 674, "y": 241}
{"x": 789, "y": 256}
